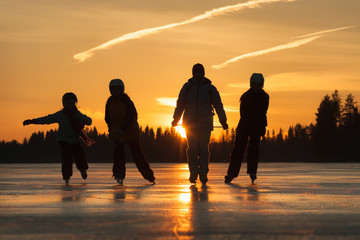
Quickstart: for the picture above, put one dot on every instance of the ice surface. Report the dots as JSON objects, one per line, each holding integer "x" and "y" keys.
{"x": 288, "y": 201}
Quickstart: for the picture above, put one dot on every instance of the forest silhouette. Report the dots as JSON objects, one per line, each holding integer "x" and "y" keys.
{"x": 335, "y": 137}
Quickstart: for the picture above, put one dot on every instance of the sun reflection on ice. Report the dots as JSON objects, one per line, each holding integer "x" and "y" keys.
{"x": 185, "y": 197}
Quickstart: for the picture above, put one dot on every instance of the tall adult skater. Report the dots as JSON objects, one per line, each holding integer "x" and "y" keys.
{"x": 197, "y": 100}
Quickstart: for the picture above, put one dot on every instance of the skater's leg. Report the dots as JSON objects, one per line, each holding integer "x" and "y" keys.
{"x": 204, "y": 139}
{"x": 192, "y": 153}
{"x": 237, "y": 155}
{"x": 141, "y": 163}
{"x": 80, "y": 158}
{"x": 253, "y": 155}
{"x": 66, "y": 156}
{"x": 119, "y": 161}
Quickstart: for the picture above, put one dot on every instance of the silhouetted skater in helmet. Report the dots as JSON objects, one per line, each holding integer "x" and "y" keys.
{"x": 252, "y": 126}
{"x": 197, "y": 99}
{"x": 121, "y": 118}
{"x": 71, "y": 123}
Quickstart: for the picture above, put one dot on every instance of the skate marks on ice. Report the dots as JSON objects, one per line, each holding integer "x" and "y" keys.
{"x": 296, "y": 201}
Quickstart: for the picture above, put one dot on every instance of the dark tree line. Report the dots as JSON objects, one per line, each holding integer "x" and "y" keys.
{"x": 335, "y": 137}
{"x": 162, "y": 146}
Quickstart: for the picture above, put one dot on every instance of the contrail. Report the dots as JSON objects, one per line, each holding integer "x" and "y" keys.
{"x": 81, "y": 57}
{"x": 294, "y": 44}
{"x": 325, "y": 31}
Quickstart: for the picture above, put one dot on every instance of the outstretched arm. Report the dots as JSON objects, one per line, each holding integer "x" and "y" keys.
{"x": 84, "y": 120}
{"x": 29, "y": 121}
{"x": 51, "y": 118}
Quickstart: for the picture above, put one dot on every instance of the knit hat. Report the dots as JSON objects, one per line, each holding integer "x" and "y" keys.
{"x": 198, "y": 68}
{"x": 117, "y": 82}
{"x": 67, "y": 96}
{"x": 257, "y": 78}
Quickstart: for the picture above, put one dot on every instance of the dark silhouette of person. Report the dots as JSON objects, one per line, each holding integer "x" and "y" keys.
{"x": 197, "y": 100}
{"x": 252, "y": 126}
{"x": 121, "y": 118}
{"x": 71, "y": 123}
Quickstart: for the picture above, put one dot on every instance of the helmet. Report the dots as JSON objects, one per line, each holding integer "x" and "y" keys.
{"x": 257, "y": 78}
{"x": 67, "y": 96}
{"x": 117, "y": 82}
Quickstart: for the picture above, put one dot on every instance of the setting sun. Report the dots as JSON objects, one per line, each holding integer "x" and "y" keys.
{"x": 181, "y": 131}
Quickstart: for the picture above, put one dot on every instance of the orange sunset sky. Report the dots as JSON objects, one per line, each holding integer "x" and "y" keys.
{"x": 304, "y": 48}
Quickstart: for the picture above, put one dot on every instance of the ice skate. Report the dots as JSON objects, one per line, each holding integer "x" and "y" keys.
{"x": 253, "y": 178}
{"x": 192, "y": 181}
{"x": 152, "y": 180}
{"x": 228, "y": 179}
{"x": 193, "y": 178}
{"x": 84, "y": 174}
{"x": 120, "y": 181}
{"x": 203, "y": 179}
{"x": 66, "y": 181}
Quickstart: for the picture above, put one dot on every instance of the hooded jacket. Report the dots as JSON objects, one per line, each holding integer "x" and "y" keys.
{"x": 253, "y": 110}
{"x": 197, "y": 100}
{"x": 121, "y": 118}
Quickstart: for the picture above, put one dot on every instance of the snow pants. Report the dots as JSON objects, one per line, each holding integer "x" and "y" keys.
{"x": 198, "y": 152}
{"x": 68, "y": 152}
{"x": 238, "y": 151}
{"x": 141, "y": 163}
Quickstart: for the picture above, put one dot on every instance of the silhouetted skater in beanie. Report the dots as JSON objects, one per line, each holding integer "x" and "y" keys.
{"x": 121, "y": 118}
{"x": 71, "y": 123}
{"x": 252, "y": 126}
{"x": 197, "y": 100}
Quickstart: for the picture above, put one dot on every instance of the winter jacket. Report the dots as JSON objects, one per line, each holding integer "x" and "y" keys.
{"x": 197, "y": 100}
{"x": 121, "y": 118}
{"x": 66, "y": 132}
{"x": 253, "y": 109}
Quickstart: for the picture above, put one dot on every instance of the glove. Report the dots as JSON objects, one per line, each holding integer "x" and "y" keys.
{"x": 224, "y": 125}
{"x": 174, "y": 123}
{"x": 28, "y": 121}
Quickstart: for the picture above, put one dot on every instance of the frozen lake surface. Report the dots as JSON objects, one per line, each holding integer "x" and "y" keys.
{"x": 288, "y": 201}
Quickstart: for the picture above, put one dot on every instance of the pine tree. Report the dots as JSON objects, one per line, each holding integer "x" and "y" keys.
{"x": 349, "y": 111}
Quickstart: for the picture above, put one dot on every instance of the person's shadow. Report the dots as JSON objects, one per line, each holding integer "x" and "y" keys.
{"x": 72, "y": 193}
{"x": 199, "y": 196}
{"x": 200, "y": 217}
{"x": 252, "y": 192}
{"x": 124, "y": 192}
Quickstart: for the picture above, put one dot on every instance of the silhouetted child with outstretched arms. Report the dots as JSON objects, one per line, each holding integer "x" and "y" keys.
{"x": 121, "y": 118}
{"x": 252, "y": 126}
{"x": 71, "y": 123}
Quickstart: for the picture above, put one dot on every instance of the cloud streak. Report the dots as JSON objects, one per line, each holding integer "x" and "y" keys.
{"x": 305, "y": 39}
{"x": 323, "y": 32}
{"x": 83, "y": 56}
{"x": 166, "y": 101}
{"x": 293, "y": 44}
